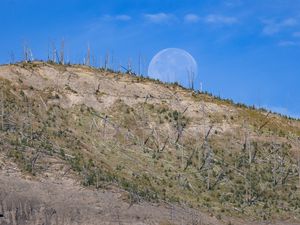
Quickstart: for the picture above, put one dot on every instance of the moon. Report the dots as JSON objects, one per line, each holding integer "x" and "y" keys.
{"x": 173, "y": 65}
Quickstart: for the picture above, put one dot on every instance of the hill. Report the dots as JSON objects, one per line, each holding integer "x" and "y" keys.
{"x": 81, "y": 145}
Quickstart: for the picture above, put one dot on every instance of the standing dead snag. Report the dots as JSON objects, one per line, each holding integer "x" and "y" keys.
{"x": 62, "y": 52}
{"x": 98, "y": 89}
{"x": 33, "y": 161}
{"x": 205, "y": 146}
{"x": 94, "y": 124}
{"x": 191, "y": 78}
{"x": 208, "y": 167}
{"x": 129, "y": 66}
{"x": 106, "y": 61}
{"x": 139, "y": 67}
{"x": 299, "y": 168}
{"x": 267, "y": 120}
{"x": 105, "y": 120}
{"x": 179, "y": 125}
{"x": 12, "y": 57}
{"x": 2, "y": 110}
{"x": 88, "y": 56}
{"x": 54, "y": 53}
{"x": 29, "y": 114}
{"x": 275, "y": 164}
{"x": 165, "y": 144}
{"x": 25, "y": 52}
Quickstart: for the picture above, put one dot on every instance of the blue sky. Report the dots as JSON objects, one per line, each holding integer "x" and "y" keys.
{"x": 246, "y": 50}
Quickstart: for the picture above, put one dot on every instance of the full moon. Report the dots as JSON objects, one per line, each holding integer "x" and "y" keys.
{"x": 173, "y": 65}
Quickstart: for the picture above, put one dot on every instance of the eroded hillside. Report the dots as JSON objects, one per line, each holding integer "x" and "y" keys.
{"x": 158, "y": 143}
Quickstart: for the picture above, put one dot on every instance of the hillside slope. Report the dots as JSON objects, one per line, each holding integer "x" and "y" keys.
{"x": 158, "y": 144}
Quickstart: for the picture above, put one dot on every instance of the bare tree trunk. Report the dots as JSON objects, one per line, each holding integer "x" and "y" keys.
{"x": 112, "y": 61}
{"x": 191, "y": 78}
{"x": 105, "y": 119}
{"x": 12, "y": 57}
{"x": 25, "y": 52}
{"x": 100, "y": 62}
{"x": 129, "y": 66}
{"x": 88, "y": 56}
{"x": 249, "y": 152}
{"x": 29, "y": 54}
{"x": 33, "y": 161}
{"x": 53, "y": 53}
{"x": 106, "y": 61}
{"x": 2, "y": 110}
{"x": 299, "y": 168}
{"x": 30, "y": 120}
{"x": 208, "y": 162}
{"x": 274, "y": 172}
{"x": 139, "y": 65}
{"x": 93, "y": 61}
{"x": 48, "y": 52}
{"x": 62, "y": 52}
{"x": 208, "y": 179}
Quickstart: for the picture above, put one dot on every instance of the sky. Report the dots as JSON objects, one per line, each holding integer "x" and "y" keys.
{"x": 246, "y": 50}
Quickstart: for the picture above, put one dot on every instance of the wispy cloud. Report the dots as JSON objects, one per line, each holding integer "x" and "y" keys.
{"x": 122, "y": 17}
{"x": 232, "y": 3}
{"x": 220, "y": 19}
{"x": 159, "y": 17}
{"x": 191, "y": 18}
{"x": 272, "y": 27}
{"x": 288, "y": 43}
{"x": 296, "y": 34}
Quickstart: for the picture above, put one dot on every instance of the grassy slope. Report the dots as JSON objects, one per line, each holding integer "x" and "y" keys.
{"x": 149, "y": 138}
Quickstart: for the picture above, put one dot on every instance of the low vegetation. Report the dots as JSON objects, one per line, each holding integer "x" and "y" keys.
{"x": 242, "y": 163}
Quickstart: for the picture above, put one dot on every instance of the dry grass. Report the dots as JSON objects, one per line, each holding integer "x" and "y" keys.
{"x": 148, "y": 138}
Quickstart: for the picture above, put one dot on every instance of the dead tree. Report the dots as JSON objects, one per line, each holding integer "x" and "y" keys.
{"x": 2, "y": 110}
{"x": 299, "y": 168}
{"x": 30, "y": 120}
{"x": 248, "y": 146}
{"x": 105, "y": 121}
{"x": 30, "y": 54}
{"x": 218, "y": 179}
{"x": 12, "y": 57}
{"x": 48, "y": 52}
{"x": 62, "y": 52}
{"x": 128, "y": 70}
{"x": 106, "y": 61}
{"x": 129, "y": 66}
{"x": 25, "y": 52}
{"x": 140, "y": 65}
{"x": 88, "y": 56}
{"x": 247, "y": 149}
{"x": 54, "y": 53}
{"x": 179, "y": 126}
{"x": 112, "y": 59}
{"x": 98, "y": 89}
{"x": 191, "y": 78}
{"x": 208, "y": 162}
{"x": 274, "y": 170}
{"x": 165, "y": 144}
{"x": 204, "y": 146}
{"x": 33, "y": 161}
{"x": 281, "y": 168}
{"x": 267, "y": 120}
{"x": 93, "y": 60}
